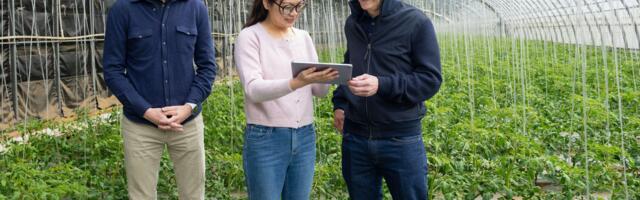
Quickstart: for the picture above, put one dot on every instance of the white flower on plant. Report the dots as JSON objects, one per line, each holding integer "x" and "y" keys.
{"x": 105, "y": 117}
{"x": 566, "y": 158}
{"x": 74, "y": 127}
{"x": 564, "y": 134}
{"x": 3, "y": 148}
{"x": 83, "y": 125}
{"x": 51, "y": 132}
{"x": 21, "y": 139}
{"x": 77, "y": 126}
{"x": 572, "y": 136}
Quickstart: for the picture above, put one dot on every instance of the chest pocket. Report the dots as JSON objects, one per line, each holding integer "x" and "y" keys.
{"x": 140, "y": 43}
{"x": 186, "y": 39}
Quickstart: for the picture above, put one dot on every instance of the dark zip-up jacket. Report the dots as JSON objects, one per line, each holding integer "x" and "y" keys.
{"x": 403, "y": 53}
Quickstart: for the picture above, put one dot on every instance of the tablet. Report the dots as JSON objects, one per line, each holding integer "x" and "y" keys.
{"x": 344, "y": 70}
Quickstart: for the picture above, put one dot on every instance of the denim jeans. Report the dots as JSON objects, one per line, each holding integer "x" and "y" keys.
{"x": 279, "y": 162}
{"x": 401, "y": 161}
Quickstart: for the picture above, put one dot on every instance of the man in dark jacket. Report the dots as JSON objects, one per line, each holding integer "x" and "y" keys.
{"x": 395, "y": 56}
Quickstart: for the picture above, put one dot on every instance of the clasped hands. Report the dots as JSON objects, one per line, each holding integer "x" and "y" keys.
{"x": 169, "y": 118}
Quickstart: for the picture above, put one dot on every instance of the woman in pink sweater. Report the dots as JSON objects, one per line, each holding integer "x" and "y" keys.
{"x": 279, "y": 141}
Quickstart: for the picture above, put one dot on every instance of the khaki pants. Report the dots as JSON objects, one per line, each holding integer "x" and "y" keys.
{"x": 143, "y": 147}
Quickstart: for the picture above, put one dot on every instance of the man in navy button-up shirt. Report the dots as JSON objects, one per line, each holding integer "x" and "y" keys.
{"x": 150, "y": 50}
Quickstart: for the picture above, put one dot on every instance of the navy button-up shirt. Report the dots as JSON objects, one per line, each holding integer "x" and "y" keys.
{"x": 158, "y": 54}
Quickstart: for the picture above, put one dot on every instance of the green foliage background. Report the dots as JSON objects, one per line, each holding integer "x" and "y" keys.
{"x": 497, "y": 126}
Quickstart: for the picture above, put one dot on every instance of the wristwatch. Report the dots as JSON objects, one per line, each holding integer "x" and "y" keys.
{"x": 193, "y": 107}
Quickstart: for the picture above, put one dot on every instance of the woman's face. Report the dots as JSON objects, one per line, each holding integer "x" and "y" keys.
{"x": 284, "y": 13}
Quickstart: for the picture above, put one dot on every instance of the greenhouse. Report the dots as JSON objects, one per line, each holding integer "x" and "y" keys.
{"x": 540, "y": 99}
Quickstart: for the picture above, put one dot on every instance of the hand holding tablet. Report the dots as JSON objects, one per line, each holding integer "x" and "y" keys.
{"x": 344, "y": 70}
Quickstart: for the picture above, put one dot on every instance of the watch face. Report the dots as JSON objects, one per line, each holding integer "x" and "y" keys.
{"x": 193, "y": 105}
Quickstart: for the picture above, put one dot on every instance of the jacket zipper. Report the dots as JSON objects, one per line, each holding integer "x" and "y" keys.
{"x": 367, "y": 58}
{"x": 366, "y": 103}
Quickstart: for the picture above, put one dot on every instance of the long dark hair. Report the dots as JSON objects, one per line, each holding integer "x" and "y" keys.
{"x": 258, "y": 13}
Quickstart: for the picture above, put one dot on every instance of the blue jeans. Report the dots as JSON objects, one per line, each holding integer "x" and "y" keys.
{"x": 279, "y": 162}
{"x": 401, "y": 161}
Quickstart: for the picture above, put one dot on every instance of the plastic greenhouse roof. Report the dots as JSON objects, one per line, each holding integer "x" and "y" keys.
{"x": 612, "y": 22}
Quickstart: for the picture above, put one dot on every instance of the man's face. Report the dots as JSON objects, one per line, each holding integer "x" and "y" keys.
{"x": 370, "y": 5}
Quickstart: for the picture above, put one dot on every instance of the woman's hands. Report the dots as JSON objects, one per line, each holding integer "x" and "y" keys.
{"x": 311, "y": 75}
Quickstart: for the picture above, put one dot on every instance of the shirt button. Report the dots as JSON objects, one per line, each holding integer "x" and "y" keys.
{"x": 139, "y": 36}
{"x": 166, "y": 81}
{"x": 162, "y": 25}
{"x": 164, "y": 43}
{"x": 165, "y": 62}
{"x": 373, "y": 23}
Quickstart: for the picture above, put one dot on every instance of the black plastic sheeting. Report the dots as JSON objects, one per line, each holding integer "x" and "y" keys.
{"x": 104, "y": 97}
{"x": 4, "y": 26}
{"x": 82, "y": 17}
{"x": 78, "y": 18}
{"x": 32, "y": 17}
{"x": 34, "y": 63}
{"x": 44, "y": 78}
{"x": 54, "y": 80}
{"x": 36, "y": 91}
{"x": 4, "y": 65}
{"x": 6, "y": 109}
{"x": 30, "y": 23}
{"x": 37, "y": 99}
{"x": 48, "y": 75}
